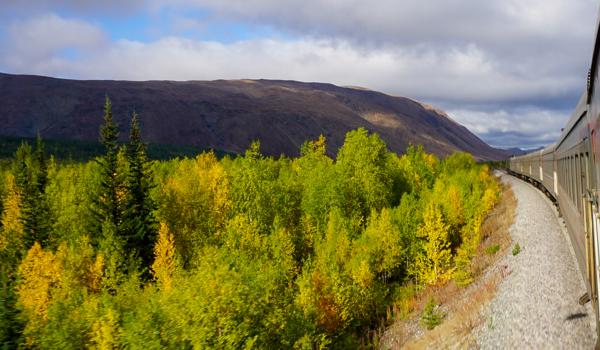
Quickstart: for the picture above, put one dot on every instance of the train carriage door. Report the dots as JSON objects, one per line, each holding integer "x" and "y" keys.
{"x": 593, "y": 260}
{"x": 555, "y": 164}
{"x": 569, "y": 178}
{"x": 541, "y": 167}
{"x": 590, "y": 227}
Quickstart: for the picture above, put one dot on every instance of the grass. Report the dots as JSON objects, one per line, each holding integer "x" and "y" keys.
{"x": 462, "y": 305}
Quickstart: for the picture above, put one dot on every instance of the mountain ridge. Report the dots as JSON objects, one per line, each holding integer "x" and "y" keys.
{"x": 230, "y": 114}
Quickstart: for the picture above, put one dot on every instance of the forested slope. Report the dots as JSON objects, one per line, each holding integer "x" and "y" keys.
{"x": 304, "y": 252}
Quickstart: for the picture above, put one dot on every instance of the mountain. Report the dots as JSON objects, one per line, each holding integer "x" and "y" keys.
{"x": 229, "y": 114}
{"x": 516, "y": 151}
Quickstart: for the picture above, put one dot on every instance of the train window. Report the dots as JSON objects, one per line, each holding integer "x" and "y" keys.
{"x": 571, "y": 179}
{"x": 565, "y": 168}
{"x": 565, "y": 176}
{"x": 568, "y": 177}
{"x": 575, "y": 179}
{"x": 577, "y": 182}
{"x": 562, "y": 173}
{"x": 587, "y": 170}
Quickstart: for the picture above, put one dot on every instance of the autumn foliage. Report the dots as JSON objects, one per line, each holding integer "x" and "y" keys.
{"x": 243, "y": 252}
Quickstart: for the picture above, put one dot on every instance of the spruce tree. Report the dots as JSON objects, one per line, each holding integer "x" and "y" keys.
{"x": 139, "y": 223}
{"x": 106, "y": 204}
{"x": 31, "y": 177}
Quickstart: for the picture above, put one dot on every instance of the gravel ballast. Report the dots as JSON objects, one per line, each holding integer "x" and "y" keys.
{"x": 536, "y": 304}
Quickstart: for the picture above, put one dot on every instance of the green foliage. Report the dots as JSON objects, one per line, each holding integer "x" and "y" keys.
{"x": 362, "y": 164}
{"x": 70, "y": 151}
{"x": 139, "y": 223}
{"x": 432, "y": 316}
{"x": 434, "y": 262}
{"x": 516, "y": 249}
{"x": 108, "y": 203}
{"x": 31, "y": 177}
{"x": 491, "y": 250}
{"x": 252, "y": 251}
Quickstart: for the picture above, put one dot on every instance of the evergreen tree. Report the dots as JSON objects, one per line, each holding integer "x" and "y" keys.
{"x": 139, "y": 223}
{"x": 31, "y": 177}
{"x": 107, "y": 207}
{"x": 37, "y": 225}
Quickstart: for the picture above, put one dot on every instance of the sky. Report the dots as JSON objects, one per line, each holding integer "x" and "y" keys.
{"x": 509, "y": 70}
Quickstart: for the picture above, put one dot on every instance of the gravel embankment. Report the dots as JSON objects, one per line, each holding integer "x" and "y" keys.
{"x": 536, "y": 306}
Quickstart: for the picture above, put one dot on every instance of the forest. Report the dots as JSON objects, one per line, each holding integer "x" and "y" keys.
{"x": 228, "y": 252}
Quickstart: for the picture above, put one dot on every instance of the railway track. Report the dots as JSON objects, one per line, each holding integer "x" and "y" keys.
{"x": 536, "y": 305}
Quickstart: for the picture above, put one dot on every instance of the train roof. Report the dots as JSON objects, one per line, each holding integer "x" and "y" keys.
{"x": 594, "y": 63}
{"x": 549, "y": 149}
{"x": 578, "y": 113}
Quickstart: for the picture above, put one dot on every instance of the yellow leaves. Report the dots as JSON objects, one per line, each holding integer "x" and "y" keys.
{"x": 94, "y": 274}
{"x": 362, "y": 275}
{"x": 382, "y": 240}
{"x": 196, "y": 204}
{"x": 106, "y": 332}
{"x": 454, "y": 206}
{"x": 40, "y": 272}
{"x": 434, "y": 262}
{"x": 320, "y": 145}
{"x": 165, "y": 260}
{"x": 12, "y": 233}
{"x": 490, "y": 197}
{"x": 282, "y": 250}
{"x": 243, "y": 236}
{"x": 317, "y": 147}
{"x": 199, "y": 186}
{"x": 431, "y": 160}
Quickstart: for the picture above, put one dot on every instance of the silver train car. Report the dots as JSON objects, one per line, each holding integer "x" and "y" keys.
{"x": 569, "y": 172}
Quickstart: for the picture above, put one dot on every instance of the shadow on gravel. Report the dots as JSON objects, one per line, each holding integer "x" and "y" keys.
{"x": 575, "y": 316}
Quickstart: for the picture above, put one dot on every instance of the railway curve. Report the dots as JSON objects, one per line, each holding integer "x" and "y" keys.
{"x": 536, "y": 305}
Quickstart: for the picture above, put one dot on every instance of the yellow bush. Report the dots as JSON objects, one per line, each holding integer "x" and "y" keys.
{"x": 39, "y": 273}
{"x": 165, "y": 260}
{"x": 105, "y": 332}
{"x": 12, "y": 232}
{"x": 433, "y": 264}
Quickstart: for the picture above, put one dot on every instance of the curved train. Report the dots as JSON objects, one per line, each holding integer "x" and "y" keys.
{"x": 569, "y": 172}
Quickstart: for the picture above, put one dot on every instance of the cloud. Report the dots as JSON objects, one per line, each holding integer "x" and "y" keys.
{"x": 494, "y": 64}
{"x": 116, "y": 7}
{"x": 462, "y": 74}
{"x": 39, "y": 44}
{"x": 526, "y": 127}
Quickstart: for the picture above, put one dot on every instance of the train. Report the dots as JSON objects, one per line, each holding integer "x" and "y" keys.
{"x": 568, "y": 171}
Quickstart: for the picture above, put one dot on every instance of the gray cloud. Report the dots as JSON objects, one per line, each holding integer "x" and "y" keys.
{"x": 527, "y": 127}
{"x": 114, "y": 7}
{"x": 40, "y": 44}
{"x": 496, "y": 65}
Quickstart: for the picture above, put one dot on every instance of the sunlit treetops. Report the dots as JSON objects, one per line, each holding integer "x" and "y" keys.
{"x": 242, "y": 252}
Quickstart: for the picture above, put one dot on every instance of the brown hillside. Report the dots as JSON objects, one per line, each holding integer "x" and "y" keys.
{"x": 228, "y": 115}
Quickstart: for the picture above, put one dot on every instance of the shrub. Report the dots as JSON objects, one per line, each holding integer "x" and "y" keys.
{"x": 516, "y": 249}
{"x": 432, "y": 316}
{"x": 491, "y": 250}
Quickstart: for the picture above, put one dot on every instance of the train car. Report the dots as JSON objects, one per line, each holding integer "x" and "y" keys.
{"x": 572, "y": 155}
{"x": 568, "y": 171}
{"x": 565, "y": 171}
{"x": 548, "y": 177}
